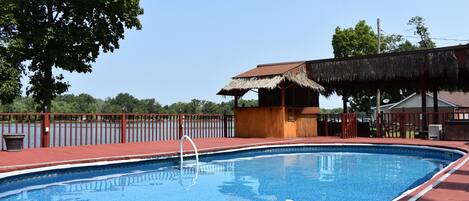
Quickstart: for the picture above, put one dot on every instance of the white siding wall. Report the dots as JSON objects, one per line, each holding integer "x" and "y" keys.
{"x": 415, "y": 102}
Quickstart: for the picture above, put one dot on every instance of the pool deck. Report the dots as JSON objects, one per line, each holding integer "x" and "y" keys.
{"x": 455, "y": 187}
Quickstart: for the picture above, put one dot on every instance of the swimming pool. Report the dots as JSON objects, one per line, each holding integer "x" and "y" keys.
{"x": 307, "y": 172}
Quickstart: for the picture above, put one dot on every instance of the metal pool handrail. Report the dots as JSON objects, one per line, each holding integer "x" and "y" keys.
{"x": 181, "y": 150}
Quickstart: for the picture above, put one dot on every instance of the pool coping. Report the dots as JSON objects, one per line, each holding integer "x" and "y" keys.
{"x": 411, "y": 194}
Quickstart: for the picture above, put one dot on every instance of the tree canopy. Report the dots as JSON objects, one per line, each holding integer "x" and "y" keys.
{"x": 67, "y": 34}
{"x": 10, "y": 72}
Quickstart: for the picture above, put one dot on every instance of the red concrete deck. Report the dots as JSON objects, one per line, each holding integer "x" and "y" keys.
{"x": 455, "y": 187}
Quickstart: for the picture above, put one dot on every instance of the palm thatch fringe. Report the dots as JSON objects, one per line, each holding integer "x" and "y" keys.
{"x": 254, "y": 83}
{"x": 441, "y": 64}
{"x": 270, "y": 82}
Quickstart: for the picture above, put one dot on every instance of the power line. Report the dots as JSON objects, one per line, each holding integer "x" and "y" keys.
{"x": 433, "y": 38}
{"x": 447, "y": 39}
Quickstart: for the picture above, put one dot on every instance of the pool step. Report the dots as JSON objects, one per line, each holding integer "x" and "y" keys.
{"x": 190, "y": 163}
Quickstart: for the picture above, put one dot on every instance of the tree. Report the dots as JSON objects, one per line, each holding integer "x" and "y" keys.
{"x": 10, "y": 72}
{"x": 65, "y": 34}
{"x": 123, "y": 102}
{"x": 148, "y": 106}
{"x": 357, "y": 41}
{"x": 9, "y": 78}
{"x": 422, "y": 31}
{"x": 84, "y": 103}
{"x": 360, "y": 40}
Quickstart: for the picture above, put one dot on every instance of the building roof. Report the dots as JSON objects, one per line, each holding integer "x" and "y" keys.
{"x": 460, "y": 99}
{"x": 453, "y": 99}
{"x": 270, "y": 69}
{"x": 269, "y": 76}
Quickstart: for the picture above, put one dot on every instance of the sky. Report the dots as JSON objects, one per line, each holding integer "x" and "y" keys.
{"x": 191, "y": 49}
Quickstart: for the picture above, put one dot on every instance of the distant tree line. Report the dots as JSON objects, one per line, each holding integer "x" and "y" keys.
{"x": 123, "y": 102}
{"x": 331, "y": 110}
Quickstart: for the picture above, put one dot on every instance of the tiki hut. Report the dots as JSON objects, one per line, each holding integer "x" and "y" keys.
{"x": 288, "y": 101}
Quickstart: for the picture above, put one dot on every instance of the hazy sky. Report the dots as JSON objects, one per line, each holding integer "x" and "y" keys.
{"x": 190, "y": 49}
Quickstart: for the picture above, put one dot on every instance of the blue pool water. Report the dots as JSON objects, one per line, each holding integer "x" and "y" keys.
{"x": 288, "y": 173}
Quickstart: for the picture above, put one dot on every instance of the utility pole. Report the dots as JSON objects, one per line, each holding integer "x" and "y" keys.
{"x": 378, "y": 94}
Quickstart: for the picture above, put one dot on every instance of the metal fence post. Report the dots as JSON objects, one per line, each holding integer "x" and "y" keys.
{"x": 123, "y": 128}
{"x": 45, "y": 139}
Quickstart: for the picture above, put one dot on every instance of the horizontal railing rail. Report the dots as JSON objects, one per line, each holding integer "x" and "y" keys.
{"x": 77, "y": 129}
{"x": 413, "y": 124}
{"x": 390, "y": 125}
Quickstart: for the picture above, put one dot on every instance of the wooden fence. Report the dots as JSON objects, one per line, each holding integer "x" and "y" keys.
{"x": 343, "y": 125}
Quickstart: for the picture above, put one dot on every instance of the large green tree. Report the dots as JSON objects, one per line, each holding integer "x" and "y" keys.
{"x": 9, "y": 65}
{"x": 356, "y": 41}
{"x": 359, "y": 40}
{"x": 63, "y": 34}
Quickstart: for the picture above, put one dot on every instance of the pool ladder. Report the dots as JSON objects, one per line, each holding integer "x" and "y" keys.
{"x": 181, "y": 150}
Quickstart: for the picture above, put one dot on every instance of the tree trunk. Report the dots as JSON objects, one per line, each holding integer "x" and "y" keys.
{"x": 47, "y": 89}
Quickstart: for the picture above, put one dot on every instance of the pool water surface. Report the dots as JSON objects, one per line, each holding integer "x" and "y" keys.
{"x": 301, "y": 173}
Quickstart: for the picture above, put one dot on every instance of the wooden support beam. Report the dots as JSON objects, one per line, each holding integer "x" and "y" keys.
{"x": 423, "y": 95}
{"x": 283, "y": 93}
{"x": 344, "y": 102}
{"x": 435, "y": 106}
{"x": 236, "y": 102}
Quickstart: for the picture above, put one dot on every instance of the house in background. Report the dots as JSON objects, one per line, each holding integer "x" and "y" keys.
{"x": 447, "y": 102}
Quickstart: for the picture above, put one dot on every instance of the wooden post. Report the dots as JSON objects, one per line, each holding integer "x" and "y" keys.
{"x": 180, "y": 122}
{"x": 45, "y": 139}
{"x": 343, "y": 125}
{"x": 123, "y": 128}
{"x": 236, "y": 102}
{"x": 326, "y": 126}
{"x": 283, "y": 94}
{"x": 435, "y": 106}
{"x": 402, "y": 129}
{"x": 225, "y": 125}
{"x": 378, "y": 124}
{"x": 344, "y": 102}
{"x": 423, "y": 96}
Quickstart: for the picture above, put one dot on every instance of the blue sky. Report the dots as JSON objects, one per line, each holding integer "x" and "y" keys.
{"x": 190, "y": 49}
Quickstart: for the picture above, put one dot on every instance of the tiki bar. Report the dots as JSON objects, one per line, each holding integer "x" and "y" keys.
{"x": 288, "y": 101}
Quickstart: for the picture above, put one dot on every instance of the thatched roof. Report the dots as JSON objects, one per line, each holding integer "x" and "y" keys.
{"x": 441, "y": 63}
{"x": 269, "y": 77}
{"x": 443, "y": 68}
